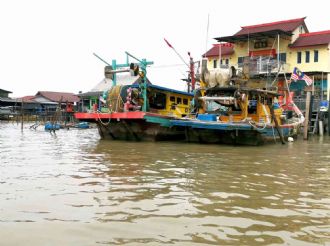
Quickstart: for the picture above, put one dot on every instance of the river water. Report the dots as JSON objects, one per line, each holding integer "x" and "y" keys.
{"x": 75, "y": 189}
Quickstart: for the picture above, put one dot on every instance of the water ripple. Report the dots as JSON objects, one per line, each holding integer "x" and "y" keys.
{"x": 75, "y": 189}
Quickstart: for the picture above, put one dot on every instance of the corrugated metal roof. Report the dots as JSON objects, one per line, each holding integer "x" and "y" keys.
{"x": 285, "y": 25}
{"x": 122, "y": 79}
{"x": 58, "y": 96}
{"x": 312, "y": 39}
{"x": 214, "y": 51}
{"x": 5, "y": 91}
{"x": 27, "y": 99}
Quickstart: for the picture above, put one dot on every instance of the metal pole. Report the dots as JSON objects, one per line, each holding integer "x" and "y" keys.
{"x": 101, "y": 59}
{"x": 144, "y": 70}
{"x": 114, "y": 76}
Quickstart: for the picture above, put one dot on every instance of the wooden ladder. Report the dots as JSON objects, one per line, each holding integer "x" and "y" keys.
{"x": 314, "y": 121}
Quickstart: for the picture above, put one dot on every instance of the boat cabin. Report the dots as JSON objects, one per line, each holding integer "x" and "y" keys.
{"x": 231, "y": 104}
{"x": 160, "y": 100}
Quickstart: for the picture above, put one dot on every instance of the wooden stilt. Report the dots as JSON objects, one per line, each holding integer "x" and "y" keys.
{"x": 307, "y": 115}
{"x": 276, "y": 124}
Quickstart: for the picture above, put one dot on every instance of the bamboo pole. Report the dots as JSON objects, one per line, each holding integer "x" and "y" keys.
{"x": 307, "y": 116}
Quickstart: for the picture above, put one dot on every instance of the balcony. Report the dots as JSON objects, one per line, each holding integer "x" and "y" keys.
{"x": 255, "y": 66}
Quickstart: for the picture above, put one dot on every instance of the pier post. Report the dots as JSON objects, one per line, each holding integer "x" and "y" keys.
{"x": 320, "y": 127}
{"x": 307, "y": 115}
{"x": 22, "y": 114}
{"x": 328, "y": 117}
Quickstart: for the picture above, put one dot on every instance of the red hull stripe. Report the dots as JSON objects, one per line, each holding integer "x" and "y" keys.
{"x": 117, "y": 115}
{"x": 121, "y": 115}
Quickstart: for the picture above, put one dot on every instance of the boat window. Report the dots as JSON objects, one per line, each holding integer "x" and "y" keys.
{"x": 185, "y": 101}
{"x": 178, "y": 100}
{"x": 158, "y": 100}
{"x": 172, "y": 99}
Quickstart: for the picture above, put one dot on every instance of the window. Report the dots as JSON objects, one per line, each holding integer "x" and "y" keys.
{"x": 185, "y": 101}
{"x": 178, "y": 100}
{"x": 172, "y": 99}
{"x": 158, "y": 101}
{"x": 227, "y": 61}
{"x": 307, "y": 56}
{"x": 316, "y": 55}
{"x": 240, "y": 61}
{"x": 283, "y": 57}
{"x": 298, "y": 57}
{"x": 221, "y": 61}
{"x": 214, "y": 63}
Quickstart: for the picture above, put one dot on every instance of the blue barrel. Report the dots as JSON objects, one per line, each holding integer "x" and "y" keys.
{"x": 324, "y": 104}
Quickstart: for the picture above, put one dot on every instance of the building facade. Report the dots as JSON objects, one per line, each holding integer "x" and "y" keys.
{"x": 277, "y": 47}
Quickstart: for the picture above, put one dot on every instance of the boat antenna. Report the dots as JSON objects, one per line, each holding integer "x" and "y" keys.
{"x": 207, "y": 31}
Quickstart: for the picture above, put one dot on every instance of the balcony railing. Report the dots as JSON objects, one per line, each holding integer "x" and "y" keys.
{"x": 263, "y": 66}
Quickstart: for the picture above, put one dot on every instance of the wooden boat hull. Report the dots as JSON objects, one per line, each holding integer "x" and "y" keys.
{"x": 134, "y": 126}
{"x": 141, "y": 126}
{"x": 232, "y": 133}
{"x": 140, "y": 130}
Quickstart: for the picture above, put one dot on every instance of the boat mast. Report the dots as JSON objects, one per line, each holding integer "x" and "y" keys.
{"x": 190, "y": 66}
{"x": 143, "y": 63}
{"x": 192, "y": 72}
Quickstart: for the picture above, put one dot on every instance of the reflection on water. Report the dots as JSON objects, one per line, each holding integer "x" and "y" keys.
{"x": 74, "y": 189}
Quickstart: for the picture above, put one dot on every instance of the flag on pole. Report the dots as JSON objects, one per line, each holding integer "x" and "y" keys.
{"x": 294, "y": 75}
{"x": 168, "y": 43}
{"x": 299, "y": 75}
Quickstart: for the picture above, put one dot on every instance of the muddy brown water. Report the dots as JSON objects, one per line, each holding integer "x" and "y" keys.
{"x": 75, "y": 189}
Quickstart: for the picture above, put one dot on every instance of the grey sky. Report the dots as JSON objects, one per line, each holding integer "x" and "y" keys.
{"x": 48, "y": 45}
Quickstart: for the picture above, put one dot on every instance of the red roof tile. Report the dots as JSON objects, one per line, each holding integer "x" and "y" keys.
{"x": 312, "y": 39}
{"x": 286, "y": 25}
{"x": 214, "y": 51}
{"x": 58, "y": 96}
{"x": 27, "y": 98}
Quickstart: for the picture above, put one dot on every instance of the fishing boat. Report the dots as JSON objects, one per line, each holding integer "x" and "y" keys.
{"x": 141, "y": 111}
{"x": 220, "y": 111}
{"x": 243, "y": 116}
{"x": 232, "y": 111}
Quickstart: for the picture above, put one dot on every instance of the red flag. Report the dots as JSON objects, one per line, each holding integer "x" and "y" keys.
{"x": 168, "y": 43}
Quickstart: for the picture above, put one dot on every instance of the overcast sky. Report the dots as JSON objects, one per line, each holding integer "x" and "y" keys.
{"x": 49, "y": 45}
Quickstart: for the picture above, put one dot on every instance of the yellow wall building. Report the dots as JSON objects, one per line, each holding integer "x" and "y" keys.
{"x": 277, "y": 46}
